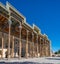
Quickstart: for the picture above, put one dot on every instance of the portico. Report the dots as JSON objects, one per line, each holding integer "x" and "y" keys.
{"x": 17, "y": 38}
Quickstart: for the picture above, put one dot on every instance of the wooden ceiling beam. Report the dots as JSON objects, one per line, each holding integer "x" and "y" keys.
{"x": 0, "y": 16}
{"x": 2, "y": 19}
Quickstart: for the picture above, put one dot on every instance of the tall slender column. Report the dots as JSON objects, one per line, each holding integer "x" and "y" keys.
{"x": 27, "y": 45}
{"x": 37, "y": 45}
{"x": 45, "y": 47}
{"x": 2, "y": 43}
{"x": 33, "y": 44}
{"x": 9, "y": 39}
{"x": 40, "y": 46}
{"x": 48, "y": 48}
{"x": 12, "y": 46}
{"x": 30, "y": 54}
{"x": 20, "y": 42}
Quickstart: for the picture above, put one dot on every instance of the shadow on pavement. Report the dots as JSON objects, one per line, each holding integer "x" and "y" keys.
{"x": 53, "y": 58}
{"x": 23, "y": 63}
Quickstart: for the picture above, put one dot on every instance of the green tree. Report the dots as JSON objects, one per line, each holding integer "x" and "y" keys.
{"x": 57, "y": 52}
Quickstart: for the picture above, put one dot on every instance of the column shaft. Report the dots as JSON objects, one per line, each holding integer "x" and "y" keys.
{"x": 13, "y": 47}
{"x": 43, "y": 48}
{"x": 40, "y": 46}
{"x": 37, "y": 45}
{"x": 27, "y": 45}
{"x": 20, "y": 46}
{"x": 9, "y": 41}
{"x": 33, "y": 44}
{"x": 2, "y": 43}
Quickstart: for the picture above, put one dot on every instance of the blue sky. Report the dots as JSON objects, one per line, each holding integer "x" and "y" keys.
{"x": 43, "y": 13}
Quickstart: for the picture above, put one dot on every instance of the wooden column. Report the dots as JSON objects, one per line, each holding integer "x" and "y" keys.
{"x": 33, "y": 44}
{"x": 30, "y": 51}
{"x": 40, "y": 46}
{"x": 9, "y": 39}
{"x": 43, "y": 47}
{"x": 27, "y": 45}
{"x": 12, "y": 46}
{"x": 48, "y": 48}
{"x": 37, "y": 45}
{"x": 20, "y": 42}
{"x": 2, "y": 43}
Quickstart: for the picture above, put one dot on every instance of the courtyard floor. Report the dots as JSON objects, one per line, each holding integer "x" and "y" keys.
{"x": 42, "y": 60}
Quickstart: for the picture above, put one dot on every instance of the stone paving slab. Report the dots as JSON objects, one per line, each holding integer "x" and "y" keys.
{"x": 45, "y": 60}
{"x": 25, "y": 63}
